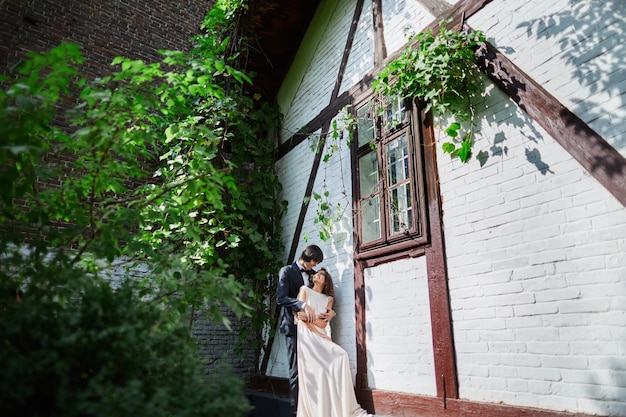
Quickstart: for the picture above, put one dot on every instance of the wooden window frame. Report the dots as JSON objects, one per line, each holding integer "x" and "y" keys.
{"x": 417, "y": 234}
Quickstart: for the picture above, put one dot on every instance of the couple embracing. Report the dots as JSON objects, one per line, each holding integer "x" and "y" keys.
{"x": 319, "y": 371}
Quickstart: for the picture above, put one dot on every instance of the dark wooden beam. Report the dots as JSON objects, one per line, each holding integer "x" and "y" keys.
{"x": 410, "y": 405}
{"x": 316, "y": 123}
{"x": 361, "y": 348}
{"x": 380, "y": 50}
{"x": 444, "y": 355}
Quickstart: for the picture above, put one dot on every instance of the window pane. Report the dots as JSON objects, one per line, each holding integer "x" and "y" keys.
{"x": 395, "y": 113}
{"x": 398, "y": 176}
{"x": 400, "y": 209}
{"x": 390, "y": 197}
{"x": 370, "y": 197}
{"x": 370, "y": 219}
{"x": 365, "y": 124}
{"x": 397, "y": 152}
{"x": 368, "y": 174}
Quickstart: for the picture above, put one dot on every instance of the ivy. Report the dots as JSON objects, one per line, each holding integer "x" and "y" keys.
{"x": 328, "y": 212}
{"x": 439, "y": 70}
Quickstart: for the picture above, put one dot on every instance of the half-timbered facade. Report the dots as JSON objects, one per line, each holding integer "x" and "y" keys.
{"x": 495, "y": 287}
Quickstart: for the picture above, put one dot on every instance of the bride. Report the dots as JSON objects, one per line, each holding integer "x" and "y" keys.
{"x": 325, "y": 380}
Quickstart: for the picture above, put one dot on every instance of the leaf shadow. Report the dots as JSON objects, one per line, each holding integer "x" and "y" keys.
{"x": 590, "y": 47}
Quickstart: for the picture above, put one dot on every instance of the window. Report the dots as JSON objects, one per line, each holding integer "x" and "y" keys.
{"x": 390, "y": 202}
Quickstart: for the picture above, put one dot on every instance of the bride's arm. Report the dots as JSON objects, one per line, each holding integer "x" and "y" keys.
{"x": 324, "y": 318}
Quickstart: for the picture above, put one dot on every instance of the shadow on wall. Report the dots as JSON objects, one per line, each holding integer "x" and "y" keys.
{"x": 612, "y": 402}
{"x": 509, "y": 116}
{"x": 602, "y": 70}
{"x": 591, "y": 52}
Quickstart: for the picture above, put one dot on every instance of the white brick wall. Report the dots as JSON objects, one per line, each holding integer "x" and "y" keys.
{"x": 575, "y": 48}
{"x": 361, "y": 58}
{"x": 399, "y": 342}
{"x": 536, "y": 248}
{"x": 537, "y": 261}
{"x": 402, "y": 18}
{"x": 338, "y": 251}
{"x": 294, "y": 170}
{"x": 313, "y": 79}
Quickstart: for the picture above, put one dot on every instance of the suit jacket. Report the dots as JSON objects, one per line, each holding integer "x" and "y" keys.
{"x": 289, "y": 282}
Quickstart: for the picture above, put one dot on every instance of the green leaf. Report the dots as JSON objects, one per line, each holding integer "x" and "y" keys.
{"x": 171, "y": 132}
{"x": 452, "y": 130}
{"x": 465, "y": 152}
{"x": 448, "y": 147}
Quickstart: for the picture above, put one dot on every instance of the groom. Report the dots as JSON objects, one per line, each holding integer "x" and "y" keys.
{"x": 290, "y": 279}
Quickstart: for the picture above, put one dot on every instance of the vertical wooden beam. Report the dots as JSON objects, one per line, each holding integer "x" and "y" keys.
{"x": 380, "y": 50}
{"x": 361, "y": 351}
{"x": 441, "y": 318}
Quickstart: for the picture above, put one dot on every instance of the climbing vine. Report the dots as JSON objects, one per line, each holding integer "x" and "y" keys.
{"x": 439, "y": 70}
{"x": 328, "y": 211}
{"x": 436, "y": 69}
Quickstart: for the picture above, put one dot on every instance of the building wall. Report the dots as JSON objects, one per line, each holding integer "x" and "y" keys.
{"x": 220, "y": 345}
{"x": 535, "y": 246}
{"x": 574, "y": 48}
{"x": 294, "y": 170}
{"x": 536, "y": 266}
{"x": 326, "y": 39}
{"x": 313, "y": 71}
{"x": 104, "y": 30}
{"x": 399, "y": 338}
{"x": 361, "y": 59}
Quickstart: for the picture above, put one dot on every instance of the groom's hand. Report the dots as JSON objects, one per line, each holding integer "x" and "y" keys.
{"x": 310, "y": 313}
{"x": 329, "y": 314}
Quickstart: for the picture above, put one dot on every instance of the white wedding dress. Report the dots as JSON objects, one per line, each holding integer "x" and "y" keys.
{"x": 324, "y": 378}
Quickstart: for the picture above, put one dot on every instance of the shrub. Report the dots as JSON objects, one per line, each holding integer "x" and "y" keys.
{"x": 74, "y": 346}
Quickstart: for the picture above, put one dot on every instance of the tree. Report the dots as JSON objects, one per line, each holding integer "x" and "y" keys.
{"x": 140, "y": 201}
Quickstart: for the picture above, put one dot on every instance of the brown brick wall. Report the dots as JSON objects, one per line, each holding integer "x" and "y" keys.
{"x": 136, "y": 29}
{"x": 104, "y": 29}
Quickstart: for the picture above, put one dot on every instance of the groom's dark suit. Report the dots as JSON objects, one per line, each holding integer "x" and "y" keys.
{"x": 289, "y": 282}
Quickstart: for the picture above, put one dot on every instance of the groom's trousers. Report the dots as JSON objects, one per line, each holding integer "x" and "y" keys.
{"x": 292, "y": 354}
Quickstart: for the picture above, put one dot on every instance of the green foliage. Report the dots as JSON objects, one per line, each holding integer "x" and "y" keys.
{"x": 164, "y": 169}
{"x": 73, "y": 346}
{"x": 440, "y": 71}
{"x": 327, "y": 212}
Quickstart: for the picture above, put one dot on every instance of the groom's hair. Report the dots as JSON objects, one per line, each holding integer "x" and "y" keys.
{"x": 312, "y": 253}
